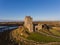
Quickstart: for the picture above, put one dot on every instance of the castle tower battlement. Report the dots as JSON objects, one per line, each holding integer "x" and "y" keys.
{"x": 28, "y": 23}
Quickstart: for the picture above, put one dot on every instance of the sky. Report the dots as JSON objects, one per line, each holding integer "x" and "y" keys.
{"x": 40, "y": 10}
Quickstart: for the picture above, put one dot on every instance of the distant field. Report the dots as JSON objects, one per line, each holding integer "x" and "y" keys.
{"x": 56, "y": 28}
{"x": 52, "y": 23}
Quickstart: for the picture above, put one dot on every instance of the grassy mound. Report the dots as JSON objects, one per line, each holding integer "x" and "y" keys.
{"x": 46, "y": 32}
{"x": 13, "y": 37}
{"x": 41, "y": 38}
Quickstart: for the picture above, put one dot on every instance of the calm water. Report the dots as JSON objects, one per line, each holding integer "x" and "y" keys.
{"x": 3, "y": 28}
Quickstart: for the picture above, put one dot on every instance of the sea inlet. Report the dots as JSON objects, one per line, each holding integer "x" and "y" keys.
{"x": 4, "y": 28}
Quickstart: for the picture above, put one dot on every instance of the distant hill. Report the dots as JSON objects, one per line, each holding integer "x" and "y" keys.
{"x": 9, "y": 20}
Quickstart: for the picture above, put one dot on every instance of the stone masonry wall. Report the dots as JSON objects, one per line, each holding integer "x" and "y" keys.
{"x": 28, "y": 23}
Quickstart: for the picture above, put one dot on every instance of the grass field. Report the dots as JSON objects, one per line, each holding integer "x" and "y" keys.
{"x": 41, "y": 38}
{"x": 55, "y": 32}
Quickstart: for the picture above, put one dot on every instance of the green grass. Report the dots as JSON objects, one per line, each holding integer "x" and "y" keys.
{"x": 55, "y": 32}
{"x": 41, "y": 38}
{"x": 45, "y": 31}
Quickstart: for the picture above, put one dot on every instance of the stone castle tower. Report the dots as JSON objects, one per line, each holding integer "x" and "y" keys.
{"x": 28, "y": 23}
